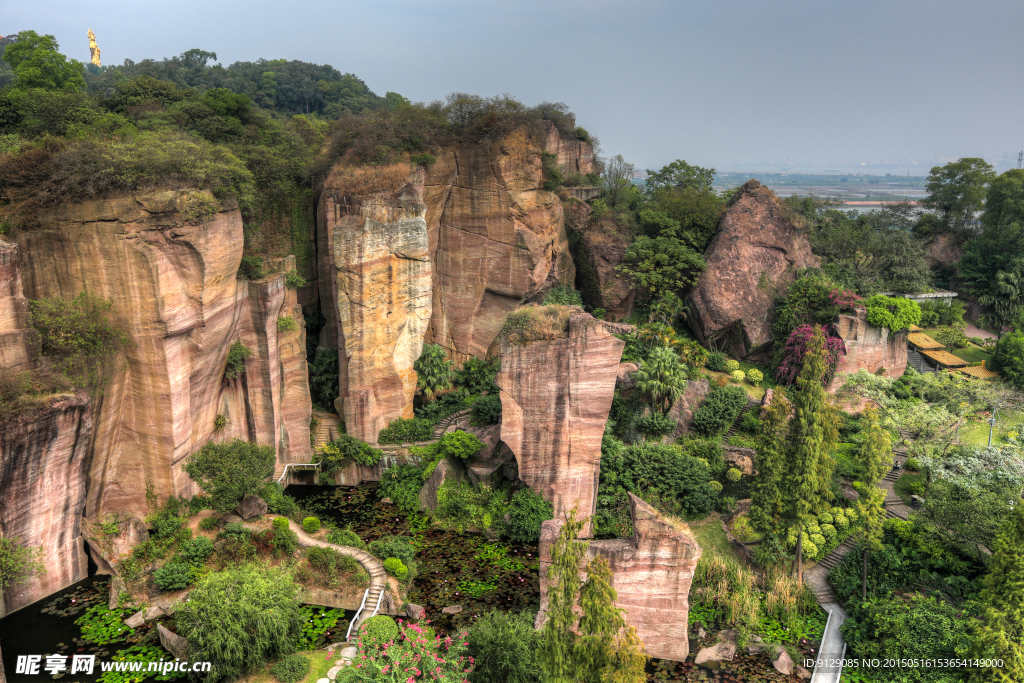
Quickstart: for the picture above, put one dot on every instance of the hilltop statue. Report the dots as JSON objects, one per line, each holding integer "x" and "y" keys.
{"x": 94, "y": 49}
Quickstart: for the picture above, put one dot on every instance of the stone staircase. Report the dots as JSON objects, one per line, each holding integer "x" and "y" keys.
{"x": 751, "y": 404}
{"x": 447, "y": 422}
{"x": 329, "y": 429}
{"x": 836, "y": 556}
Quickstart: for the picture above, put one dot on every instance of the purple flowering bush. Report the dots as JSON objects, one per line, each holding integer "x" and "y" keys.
{"x": 796, "y": 349}
{"x": 416, "y": 654}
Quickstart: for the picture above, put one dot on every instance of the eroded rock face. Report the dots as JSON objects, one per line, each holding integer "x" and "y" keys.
{"x": 602, "y": 249}
{"x": 16, "y": 336}
{"x": 555, "y": 398}
{"x": 378, "y": 300}
{"x": 44, "y": 461}
{"x": 173, "y": 280}
{"x": 751, "y": 261}
{"x": 651, "y": 574}
{"x": 683, "y": 409}
{"x": 573, "y": 156}
{"x": 870, "y": 348}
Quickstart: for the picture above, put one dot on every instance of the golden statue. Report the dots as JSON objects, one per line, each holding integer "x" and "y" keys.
{"x": 94, "y": 49}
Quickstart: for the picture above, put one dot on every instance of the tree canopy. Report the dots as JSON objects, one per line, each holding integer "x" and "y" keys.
{"x": 37, "y": 63}
{"x": 230, "y": 471}
{"x": 957, "y": 192}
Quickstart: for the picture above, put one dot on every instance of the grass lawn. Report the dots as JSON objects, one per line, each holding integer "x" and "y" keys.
{"x": 972, "y": 353}
{"x": 319, "y": 663}
{"x": 902, "y": 486}
{"x": 975, "y": 432}
{"x": 753, "y": 392}
{"x": 710, "y": 534}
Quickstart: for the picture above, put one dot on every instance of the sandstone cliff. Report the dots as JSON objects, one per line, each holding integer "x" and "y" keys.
{"x": 171, "y": 277}
{"x": 600, "y": 247}
{"x": 16, "y": 336}
{"x": 651, "y": 575}
{"x": 555, "y": 398}
{"x": 752, "y": 260}
{"x": 874, "y": 349}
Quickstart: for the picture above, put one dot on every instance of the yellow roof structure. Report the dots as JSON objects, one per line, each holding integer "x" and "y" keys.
{"x": 945, "y": 358}
{"x": 923, "y": 341}
{"x": 979, "y": 371}
{"x": 915, "y": 328}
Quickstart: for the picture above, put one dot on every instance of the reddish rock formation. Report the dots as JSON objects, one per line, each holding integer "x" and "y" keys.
{"x": 44, "y": 458}
{"x": 555, "y": 398}
{"x": 651, "y": 573}
{"x": 945, "y": 249}
{"x": 375, "y": 286}
{"x": 751, "y": 261}
{"x": 684, "y": 407}
{"x": 572, "y": 155}
{"x": 602, "y": 248}
{"x": 16, "y": 336}
{"x": 869, "y": 348}
{"x": 173, "y": 281}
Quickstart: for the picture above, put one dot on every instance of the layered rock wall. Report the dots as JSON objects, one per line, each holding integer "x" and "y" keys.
{"x": 751, "y": 261}
{"x": 16, "y": 336}
{"x": 555, "y": 399}
{"x": 870, "y": 348}
{"x": 172, "y": 279}
{"x": 379, "y": 299}
{"x": 651, "y": 575}
{"x": 44, "y": 458}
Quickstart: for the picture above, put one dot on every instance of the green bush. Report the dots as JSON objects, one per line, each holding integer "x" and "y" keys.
{"x": 196, "y": 551}
{"x": 328, "y": 561}
{"x": 283, "y": 542}
{"x": 828, "y": 531}
{"x": 311, "y": 525}
{"x": 405, "y": 431}
{"x": 718, "y": 411}
{"x": 291, "y": 669}
{"x": 562, "y": 295}
{"x": 343, "y": 451}
{"x": 286, "y": 323}
{"x": 230, "y": 471}
{"x": 173, "y": 576}
{"x": 751, "y": 423}
{"x": 395, "y": 568}
{"x": 912, "y": 464}
{"x": 504, "y": 646}
{"x": 732, "y": 365}
{"x": 446, "y": 405}
{"x": 461, "y": 505}
{"x": 402, "y": 484}
{"x": 240, "y": 617}
{"x": 487, "y": 410}
{"x": 716, "y": 361}
{"x": 237, "y": 355}
{"x": 377, "y": 631}
{"x": 895, "y": 313}
{"x": 346, "y": 537}
{"x": 235, "y": 530}
{"x": 655, "y": 425}
{"x": 738, "y": 375}
{"x": 280, "y": 523}
{"x": 400, "y": 547}
{"x": 810, "y": 550}
{"x": 208, "y": 523}
{"x": 527, "y": 511}
{"x": 278, "y": 502}
{"x": 755, "y": 376}
{"x": 477, "y": 376}
{"x": 733, "y": 474}
{"x": 665, "y": 471}
{"x": 460, "y": 444}
{"x": 423, "y": 159}
{"x": 252, "y": 268}
{"x": 716, "y": 486}
{"x": 825, "y": 518}
{"x": 293, "y": 280}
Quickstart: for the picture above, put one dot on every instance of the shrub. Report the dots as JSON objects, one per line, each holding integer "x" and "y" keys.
{"x": 376, "y": 631}
{"x": 252, "y": 268}
{"x": 477, "y": 376}
{"x": 716, "y": 486}
{"x": 286, "y": 323}
{"x": 196, "y": 551}
{"x": 460, "y": 444}
{"x": 504, "y": 646}
{"x": 293, "y": 280}
{"x": 818, "y": 540}
{"x": 278, "y": 502}
{"x": 842, "y": 524}
{"x": 311, "y": 525}
{"x": 395, "y": 568}
{"x": 280, "y": 523}
{"x": 173, "y": 576}
{"x": 812, "y": 528}
{"x": 219, "y": 423}
{"x": 342, "y": 451}
{"x": 527, "y": 511}
{"x": 912, "y": 464}
{"x": 402, "y": 484}
{"x": 237, "y": 355}
{"x": 208, "y": 523}
{"x": 240, "y": 617}
{"x": 851, "y": 514}
{"x": 810, "y": 550}
{"x": 755, "y": 376}
{"x": 423, "y": 159}
{"x": 733, "y": 474}
{"x": 792, "y": 358}
{"x": 291, "y": 669}
{"x": 655, "y": 425}
{"x": 751, "y": 423}
{"x": 404, "y": 430}
{"x": 719, "y": 410}
{"x": 825, "y": 518}
{"x": 433, "y": 371}
{"x": 327, "y": 561}
{"x": 534, "y": 323}
{"x": 487, "y": 410}
{"x": 738, "y": 375}
{"x": 717, "y": 361}
{"x": 230, "y": 471}
{"x": 828, "y": 531}
{"x": 895, "y": 313}
{"x": 732, "y": 365}
{"x": 725, "y": 504}
{"x": 346, "y": 537}
{"x": 400, "y": 547}
{"x": 461, "y": 505}
{"x": 562, "y": 295}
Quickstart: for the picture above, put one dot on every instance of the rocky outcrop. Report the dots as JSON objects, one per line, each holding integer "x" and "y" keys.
{"x": 601, "y": 249}
{"x": 169, "y": 269}
{"x": 945, "y": 249}
{"x": 571, "y": 154}
{"x": 376, "y": 295}
{"x": 685, "y": 406}
{"x": 870, "y": 348}
{"x": 555, "y": 399}
{"x": 751, "y": 261}
{"x": 16, "y": 335}
{"x": 651, "y": 574}
{"x": 250, "y": 507}
{"x": 44, "y": 459}
{"x": 447, "y": 469}
{"x": 172, "y": 642}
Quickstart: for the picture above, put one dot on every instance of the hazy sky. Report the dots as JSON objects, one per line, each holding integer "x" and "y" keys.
{"x": 735, "y": 84}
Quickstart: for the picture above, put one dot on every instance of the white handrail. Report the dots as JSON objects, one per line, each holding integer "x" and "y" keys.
{"x": 380, "y": 596}
{"x": 284, "y": 473}
{"x": 352, "y": 623}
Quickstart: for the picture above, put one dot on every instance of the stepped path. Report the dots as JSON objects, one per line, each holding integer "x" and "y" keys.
{"x": 373, "y": 567}
{"x": 328, "y": 430}
{"x": 751, "y": 404}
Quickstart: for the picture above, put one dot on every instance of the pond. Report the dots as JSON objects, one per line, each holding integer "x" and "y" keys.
{"x": 454, "y": 569}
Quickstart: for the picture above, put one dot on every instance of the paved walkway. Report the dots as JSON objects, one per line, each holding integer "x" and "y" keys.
{"x": 832, "y": 646}
{"x": 972, "y": 331}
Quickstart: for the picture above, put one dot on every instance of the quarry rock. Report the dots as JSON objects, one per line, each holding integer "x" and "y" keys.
{"x": 715, "y": 654}
{"x": 453, "y": 609}
{"x": 414, "y": 611}
{"x": 250, "y": 507}
{"x": 172, "y": 642}
{"x": 781, "y": 660}
{"x": 651, "y": 573}
{"x": 446, "y": 469}
{"x": 601, "y": 250}
{"x": 136, "y": 620}
{"x": 375, "y": 271}
{"x": 17, "y": 338}
{"x": 750, "y": 262}
{"x": 624, "y": 380}
{"x": 740, "y": 458}
{"x": 875, "y": 349}
{"x": 555, "y": 399}
{"x": 684, "y": 407}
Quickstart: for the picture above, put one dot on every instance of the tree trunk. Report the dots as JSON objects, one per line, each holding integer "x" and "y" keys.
{"x": 864, "y": 589}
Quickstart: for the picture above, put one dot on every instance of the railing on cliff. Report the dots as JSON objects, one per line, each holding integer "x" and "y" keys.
{"x": 297, "y": 465}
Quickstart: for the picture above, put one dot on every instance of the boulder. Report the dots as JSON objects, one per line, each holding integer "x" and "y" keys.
{"x": 251, "y": 507}
{"x": 117, "y": 586}
{"x": 136, "y": 620}
{"x": 870, "y": 348}
{"x": 490, "y": 435}
{"x": 447, "y": 468}
{"x": 414, "y": 611}
{"x": 452, "y": 609}
{"x": 230, "y": 519}
{"x": 750, "y": 262}
{"x": 555, "y": 398}
{"x": 624, "y": 380}
{"x": 755, "y": 645}
{"x": 172, "y": 642}
{"x": 781, "y": 660}
{"x": 154, "y": 612}
{"x": 716, "y": 654}
{"x": 740, "y": 458}
{"x": 802, "y": 672}
{"x": 684, "y": 407}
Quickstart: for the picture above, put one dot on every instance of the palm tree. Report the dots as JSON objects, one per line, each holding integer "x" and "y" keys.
{"x": 667, "y": 309}
{"x": 433, "y": 371}
{"x": 662, "y": 377}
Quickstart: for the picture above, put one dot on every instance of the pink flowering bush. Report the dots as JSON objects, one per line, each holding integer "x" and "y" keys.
{"x": 796, "y": 349}
{"x": 844, "y": 300}
{"x": 415, "y": 655}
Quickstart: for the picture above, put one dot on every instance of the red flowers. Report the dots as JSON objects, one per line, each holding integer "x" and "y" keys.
{"x": 796, "y": 349}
